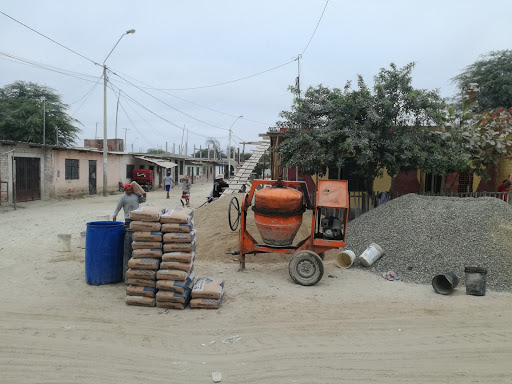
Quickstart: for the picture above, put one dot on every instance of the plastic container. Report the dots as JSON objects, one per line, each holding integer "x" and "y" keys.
{"x": 127, "y": 252}
{"x": 104, "y": 252}
{"x": 371, "y": 255}
{"x": 82, "y": 239}
{"x": 475, "y": 281}
{"x": 445, "y": 283}
{"x": 345, "y": 259}
{"x": 64, "y": 241}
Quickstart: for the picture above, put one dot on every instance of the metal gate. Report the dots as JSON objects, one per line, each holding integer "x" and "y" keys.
{"x": 28, "y": 178}
{"x": 92, "y": 177}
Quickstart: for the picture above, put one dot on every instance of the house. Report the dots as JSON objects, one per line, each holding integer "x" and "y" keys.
{"x": 412, "y": 182}
{"x": 31, "y": 171}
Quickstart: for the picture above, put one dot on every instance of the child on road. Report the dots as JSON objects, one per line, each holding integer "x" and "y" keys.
{"x": 185, "y": 194}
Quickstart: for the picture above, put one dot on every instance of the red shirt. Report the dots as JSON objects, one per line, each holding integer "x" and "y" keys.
{"x": 503, "y": 188}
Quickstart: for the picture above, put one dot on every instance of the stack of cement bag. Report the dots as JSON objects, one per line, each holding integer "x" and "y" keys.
{"x": 207, "y": 293}
{"x": 175, "y": 277}
{"x": 146, "y": 256}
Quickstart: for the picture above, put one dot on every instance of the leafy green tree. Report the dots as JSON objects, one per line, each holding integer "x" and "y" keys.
{"x": 21, "y": 115}
{"x": 380, "y": 128}
{"x": 493, "y": 74}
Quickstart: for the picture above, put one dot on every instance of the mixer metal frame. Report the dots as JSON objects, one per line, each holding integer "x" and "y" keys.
{"x": 332, "y": 194}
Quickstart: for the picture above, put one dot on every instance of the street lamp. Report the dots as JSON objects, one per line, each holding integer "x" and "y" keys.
{"x": 229, "y": 147}
{"x": 105, "y": 147}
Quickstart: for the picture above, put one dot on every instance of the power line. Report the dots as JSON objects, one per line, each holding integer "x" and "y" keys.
{"x": 46, "y": 37}
{"x": 30, "y": 63}
{"x": 226, "y": 82}
{"x": 327, "y": 2}
{"x": 170, "y": 106}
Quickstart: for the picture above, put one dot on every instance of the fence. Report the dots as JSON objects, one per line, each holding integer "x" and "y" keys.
{"x": 361, "y": 202}
{"x": 4, "y": 191}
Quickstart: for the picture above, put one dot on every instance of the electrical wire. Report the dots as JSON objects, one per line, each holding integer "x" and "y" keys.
{"x": 321, "y": 16}
{"x": 46, "y": 37}
{"x": 170, "y": 106}
{"x": 30, "y": 63}
{"x": 226, "y": 82}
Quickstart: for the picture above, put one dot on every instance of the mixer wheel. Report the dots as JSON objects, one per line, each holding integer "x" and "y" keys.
{"x": 306, "y": 268}
{"x": 234, "y": 213}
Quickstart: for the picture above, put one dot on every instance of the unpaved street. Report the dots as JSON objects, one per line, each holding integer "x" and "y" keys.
{"x": 352, "y": 327}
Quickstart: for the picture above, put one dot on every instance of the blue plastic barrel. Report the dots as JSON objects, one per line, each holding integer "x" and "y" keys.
{"x": 104, "y": 252}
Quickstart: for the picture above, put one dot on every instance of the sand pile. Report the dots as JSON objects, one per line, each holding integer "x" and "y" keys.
{"x": 424, "y": 236}
{"x": 215, "y": 238}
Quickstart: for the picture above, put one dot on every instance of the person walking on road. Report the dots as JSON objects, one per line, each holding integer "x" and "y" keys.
{"x": 185, "y": 194}
{"x": 128, "y": 202}
{"x": 168, "y": 181}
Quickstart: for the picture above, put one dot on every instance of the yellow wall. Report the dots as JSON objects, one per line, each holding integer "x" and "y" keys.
{"x": 504, "y": 169}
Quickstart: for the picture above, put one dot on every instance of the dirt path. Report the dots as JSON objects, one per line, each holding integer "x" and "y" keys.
{"x": 353, "y": 327}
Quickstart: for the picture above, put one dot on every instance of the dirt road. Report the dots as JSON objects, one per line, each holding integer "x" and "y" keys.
{"x": 352, "y": 327}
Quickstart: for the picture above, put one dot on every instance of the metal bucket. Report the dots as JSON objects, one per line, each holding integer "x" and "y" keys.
{"x": 445, "y": 283}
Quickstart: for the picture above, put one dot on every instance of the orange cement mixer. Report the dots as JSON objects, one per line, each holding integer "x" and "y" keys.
{"x": 278, "y": 209}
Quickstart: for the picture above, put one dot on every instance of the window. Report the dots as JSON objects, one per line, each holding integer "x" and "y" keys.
{"x": 465, "y": 182}
{"x": 349, "y": 173}
{"x": 71, "y": 169}
{"x": 129, "y": 171}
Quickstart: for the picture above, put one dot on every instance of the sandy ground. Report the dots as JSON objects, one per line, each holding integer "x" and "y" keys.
{"x": 352, "y": 327}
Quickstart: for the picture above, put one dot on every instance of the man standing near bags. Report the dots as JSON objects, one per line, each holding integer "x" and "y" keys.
{"x": 219, "y": 185}
{"x": 128, "y": 202}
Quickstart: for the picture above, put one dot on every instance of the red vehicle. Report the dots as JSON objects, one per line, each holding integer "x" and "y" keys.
{"x": 144, "y": 177}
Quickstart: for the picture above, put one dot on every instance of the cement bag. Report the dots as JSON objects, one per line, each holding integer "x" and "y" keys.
{"x": 170, "y": 304}
{"x": 146, "y": 244}
{"x": 178, "y": 215}
{"x": 147, "y": 213}
{"x": 144, "y": 263}
{"x": 181, "y": 257}
{"x": 142, "y": 282}
{"x": 137, "y": 189}
{"x": 150, "y": 253}
{"x": 206, "y": 288}
{"x": 140, "y": 300}
{"x": 176, "y": 265}
{"x": 180, "y": 247}
{"x": 141, "y": 274}
{"x": 182, "y": 228}
{"x": 175, "y": 297}
{"x": 147, "y": 236}
{"x": 173, "y": 274}
{"x": 133, "y": 290}
{"x": 206, "y": 303}
{"x": 173, "y": 237}
{"x": 176, "y": 286}
{"x": 146, "y": 226}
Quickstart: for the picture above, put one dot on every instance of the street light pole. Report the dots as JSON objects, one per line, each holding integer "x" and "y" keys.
{"x": 134, "y": 142}
{"x": 105, "y": 148}
{"x": 229, "y": 147}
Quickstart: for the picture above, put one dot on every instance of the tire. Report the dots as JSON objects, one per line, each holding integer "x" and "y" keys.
{"x": 306, "y": 268}
{"x": 322, "y": 255}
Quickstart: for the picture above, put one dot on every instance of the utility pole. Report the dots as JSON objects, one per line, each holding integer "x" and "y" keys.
{"x": 117, "y": 109}
{"x": 44, "y": 120}
{"x": 125, "y": 144}
{"x": 105, "y": 148}
{"x": 229, "y": 147}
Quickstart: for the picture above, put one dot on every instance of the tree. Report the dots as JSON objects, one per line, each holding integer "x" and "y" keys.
{"x": 493, "y": 74}
{"x": 216, "y": 152}
{"x": 380, "y": 128}
{"x": 21, "y": 115}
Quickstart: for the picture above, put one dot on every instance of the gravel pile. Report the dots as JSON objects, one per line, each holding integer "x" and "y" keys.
{"x": 423, "y": 236}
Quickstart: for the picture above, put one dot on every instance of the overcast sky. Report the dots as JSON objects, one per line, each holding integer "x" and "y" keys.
{"x": 182, "y": 49}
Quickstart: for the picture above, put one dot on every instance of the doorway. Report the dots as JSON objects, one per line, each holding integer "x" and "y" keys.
{"x": 92, "y": 177}
{"x": 28, "y": 178}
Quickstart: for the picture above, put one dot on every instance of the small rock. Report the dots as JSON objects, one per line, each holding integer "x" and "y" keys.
{"x": 216, "y": 377}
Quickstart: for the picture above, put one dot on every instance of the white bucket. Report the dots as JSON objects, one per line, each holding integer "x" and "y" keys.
{"x": 103, "y": 218}
{"x": 64, "y": 240}
{"x": 345, "y": 259}
{"x": 82, "y": 239}
{"x": 371, "y": 255}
